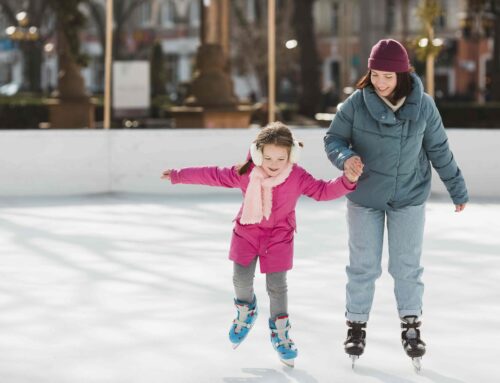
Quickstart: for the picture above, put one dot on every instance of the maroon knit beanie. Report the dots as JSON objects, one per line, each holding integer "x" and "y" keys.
{"x": 389, "y": 56}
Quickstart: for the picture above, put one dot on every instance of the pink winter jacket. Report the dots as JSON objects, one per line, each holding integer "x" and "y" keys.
{"x": 272, "y": 239}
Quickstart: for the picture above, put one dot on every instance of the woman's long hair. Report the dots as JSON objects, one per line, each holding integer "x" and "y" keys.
{"x": 275, "y": 133}
{"x": 403, "y": 84}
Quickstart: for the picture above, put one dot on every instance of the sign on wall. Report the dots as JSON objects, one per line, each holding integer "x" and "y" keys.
{"x": 131, "y": 88}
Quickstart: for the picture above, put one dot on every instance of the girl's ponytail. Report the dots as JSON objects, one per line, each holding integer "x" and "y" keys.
{"x": 244, "y": 168}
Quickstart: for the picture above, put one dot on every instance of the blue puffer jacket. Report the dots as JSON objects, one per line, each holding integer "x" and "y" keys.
{"x": 396, "y": 148}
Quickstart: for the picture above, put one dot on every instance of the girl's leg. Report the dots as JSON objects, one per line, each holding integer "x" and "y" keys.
{"x": 243, "y": 277}
{"x": 279, "y": 324}
{"x": 405, "y": 231}
{"x": 366, "y": 235}
{"x": 278, "y": 293}
{"x": 245, "y": 302}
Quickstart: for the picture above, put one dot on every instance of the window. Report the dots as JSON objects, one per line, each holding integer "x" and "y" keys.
{"x": 168, "y": 14}
{"x": 441, "y": 20}
{"x": 194, "y": 14}
{"x": 144, "y": 13}
{"x": 391, "y": 16}
{"x": 335, "y": 19}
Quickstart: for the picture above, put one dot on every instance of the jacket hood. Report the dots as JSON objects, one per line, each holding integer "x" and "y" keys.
{"x": 409, "y": 111}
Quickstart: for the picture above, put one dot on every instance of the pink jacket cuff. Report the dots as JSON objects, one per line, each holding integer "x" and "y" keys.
{"x": 348, "y": 184}
{"x": 174, "y": 177}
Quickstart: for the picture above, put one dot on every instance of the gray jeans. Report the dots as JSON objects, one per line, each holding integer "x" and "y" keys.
{"x": 275, "y": 283}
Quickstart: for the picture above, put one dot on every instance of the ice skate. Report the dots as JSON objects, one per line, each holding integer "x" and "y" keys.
{"x": 410, "y": 338}
{"x": 354, "y": 345}
{"x": 283, "y": 345}
{"x": 242, "y": 324}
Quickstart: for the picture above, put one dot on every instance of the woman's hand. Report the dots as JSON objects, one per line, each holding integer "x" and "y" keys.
{"x": 459, "y": 207}
{"x": 353, "y": 168}
{"x": 166, "y": 174}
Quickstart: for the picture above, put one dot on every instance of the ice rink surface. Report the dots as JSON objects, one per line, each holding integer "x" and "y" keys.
{"x": 135, "y": 288}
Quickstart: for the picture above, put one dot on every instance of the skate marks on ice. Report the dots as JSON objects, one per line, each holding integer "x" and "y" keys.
{"x": 258, "y": 375}
{"x": 268, "y": 375}
{"x": 434, "y": 376}
{"x": 378, "y": 374}
{"x": 430, "y": 375}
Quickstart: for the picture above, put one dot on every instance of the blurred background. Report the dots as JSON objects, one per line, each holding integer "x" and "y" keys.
{"x": 204, "y": 63}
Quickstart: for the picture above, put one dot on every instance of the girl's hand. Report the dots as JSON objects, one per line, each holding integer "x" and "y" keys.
{"x": 353, "y": 178}
{"x": 459, "y": 208}
{"x": 166, "y": 174}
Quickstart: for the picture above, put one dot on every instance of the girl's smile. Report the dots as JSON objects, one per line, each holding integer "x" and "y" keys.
{"x": 275, "y": 159}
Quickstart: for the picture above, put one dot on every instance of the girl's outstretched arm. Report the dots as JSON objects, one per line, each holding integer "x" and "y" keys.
{"x": 321, "y": 190}
{"x": 206, "y": 175}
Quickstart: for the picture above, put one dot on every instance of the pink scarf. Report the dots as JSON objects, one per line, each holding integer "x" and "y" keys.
{"x": 258, "y": 200}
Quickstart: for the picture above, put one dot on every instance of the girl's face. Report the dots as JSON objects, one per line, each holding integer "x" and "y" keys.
{"x": 274, "y": 159}
{"x": 384, "y": 82}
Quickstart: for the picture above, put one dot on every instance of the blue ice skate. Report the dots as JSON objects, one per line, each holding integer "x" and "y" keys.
{"x": 242, "y": 324}
{"x": 283, "y": 345}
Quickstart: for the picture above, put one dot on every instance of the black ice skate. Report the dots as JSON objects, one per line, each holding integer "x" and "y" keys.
{"x": 355, "y": 342}
{"x": 410, "y": 338}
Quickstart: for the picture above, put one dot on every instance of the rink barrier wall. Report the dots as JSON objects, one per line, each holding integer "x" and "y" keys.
{"x": 75, "y": 162}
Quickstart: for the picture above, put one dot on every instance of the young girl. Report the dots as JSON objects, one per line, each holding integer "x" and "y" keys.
{"x": 271, "y": 183}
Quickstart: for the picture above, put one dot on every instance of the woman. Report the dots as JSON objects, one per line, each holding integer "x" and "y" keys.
{"x": 390, "y": 131}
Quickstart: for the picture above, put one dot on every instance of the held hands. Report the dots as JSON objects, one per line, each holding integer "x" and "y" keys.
{"x": 166, "y": 174}
{"x": 353, "y": 167}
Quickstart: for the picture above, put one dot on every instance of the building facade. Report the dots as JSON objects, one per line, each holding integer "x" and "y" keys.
{"x": 345, "y": 31}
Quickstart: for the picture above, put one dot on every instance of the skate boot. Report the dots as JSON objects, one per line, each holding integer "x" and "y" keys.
{"x": 410, "y": 338}
{"x": 354, "y": 345}
{"x": 246, "y": 316}
{"x": 283, "y": 345}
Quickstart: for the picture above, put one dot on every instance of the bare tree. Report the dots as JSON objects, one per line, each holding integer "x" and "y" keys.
{"x": 123, "y": 10}
{"x": 249, "y": 40}
{"x": 303, "y": 22}
{"x": 427, "y": 12}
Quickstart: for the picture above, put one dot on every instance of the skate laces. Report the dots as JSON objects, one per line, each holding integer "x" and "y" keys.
{"x": 411, "y": 333}
{"x": 281, "y": 331}
{"x": 241, "y": 321}
{"x": 356, "y": 331}
{"x": 410, "y": 324}
{"x": 282, "y": 335}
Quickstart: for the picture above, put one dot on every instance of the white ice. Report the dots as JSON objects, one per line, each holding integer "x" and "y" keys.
{"x": 135, "y": 288}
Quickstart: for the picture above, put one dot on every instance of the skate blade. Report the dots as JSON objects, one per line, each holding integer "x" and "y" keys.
{"x": 353, "y": 360}
{"x": 288, "y": 362}
{"x": 417, "y": 364}
{"x": 236, "y": 345}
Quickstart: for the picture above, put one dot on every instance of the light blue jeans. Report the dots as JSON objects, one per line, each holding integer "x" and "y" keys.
{"x": 405, "y": 229}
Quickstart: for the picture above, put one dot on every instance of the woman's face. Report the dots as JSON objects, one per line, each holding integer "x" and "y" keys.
{"x": 274, "y": 159}
{"x": 383, "y": 82}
